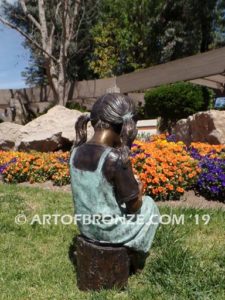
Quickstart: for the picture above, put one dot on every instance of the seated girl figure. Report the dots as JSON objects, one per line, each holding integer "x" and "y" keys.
{"x": 103, "y": 183}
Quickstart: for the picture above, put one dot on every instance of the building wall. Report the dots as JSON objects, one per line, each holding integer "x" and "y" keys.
{"x": 83, "y": 92}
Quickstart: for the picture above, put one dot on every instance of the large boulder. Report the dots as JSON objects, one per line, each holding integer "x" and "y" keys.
{"x": 206, "y": 127}
{"x": 51, "y": 131}
{"x": 8, "y": 135}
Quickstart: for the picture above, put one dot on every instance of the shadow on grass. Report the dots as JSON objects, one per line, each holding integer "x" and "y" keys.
{"x": 72, "y": 253}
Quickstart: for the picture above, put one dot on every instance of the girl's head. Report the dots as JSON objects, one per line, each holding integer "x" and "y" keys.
{"x": 114, "y": 111}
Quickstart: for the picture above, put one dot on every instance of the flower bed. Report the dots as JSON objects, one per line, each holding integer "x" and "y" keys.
{"x": 34, "y": 167}
{"x": 211, "y": 180}
{"x": 165, "y": 167}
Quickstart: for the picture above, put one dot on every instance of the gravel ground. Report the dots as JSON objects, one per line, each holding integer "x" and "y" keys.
{"x": 189, "y": 199}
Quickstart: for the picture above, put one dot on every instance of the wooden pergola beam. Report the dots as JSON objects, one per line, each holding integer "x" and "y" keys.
{"x": 208, "y": 83}
{"x": 189, "y": 68}
{"x": 217, "y": 78}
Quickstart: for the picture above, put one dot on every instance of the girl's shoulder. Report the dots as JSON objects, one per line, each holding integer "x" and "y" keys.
{"x": 87, "y": 156}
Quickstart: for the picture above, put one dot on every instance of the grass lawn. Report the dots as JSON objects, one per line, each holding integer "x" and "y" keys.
{"x": 186, "y": 261}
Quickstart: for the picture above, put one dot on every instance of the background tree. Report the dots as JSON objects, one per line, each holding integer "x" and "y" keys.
{"x": 121, "y": 36}
{"x": 219, "y": 25}
{"x": 112, "y": 37}
{"x": 53, "y": 30}
{"x": 185, "y": 28}
{"x": 133, "y": 34}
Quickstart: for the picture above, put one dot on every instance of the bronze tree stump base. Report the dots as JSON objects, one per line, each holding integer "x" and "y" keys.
{"x": 101, "y": 266}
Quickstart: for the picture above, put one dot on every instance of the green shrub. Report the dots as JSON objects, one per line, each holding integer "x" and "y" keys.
{"x": 176, "y": 101}
{"x": 77, "y": 106}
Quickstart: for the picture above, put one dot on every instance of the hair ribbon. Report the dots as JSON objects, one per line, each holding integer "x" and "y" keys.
{"x": 127, "y": 116}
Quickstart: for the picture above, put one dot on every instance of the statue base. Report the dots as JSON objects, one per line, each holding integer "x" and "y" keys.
{"x": 101, "y": 266}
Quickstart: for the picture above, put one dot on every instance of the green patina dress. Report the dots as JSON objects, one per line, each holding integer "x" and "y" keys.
{"x": 93, "y": 195}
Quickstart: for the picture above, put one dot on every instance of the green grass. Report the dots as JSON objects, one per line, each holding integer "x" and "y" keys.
{"x": 186, "y": 261}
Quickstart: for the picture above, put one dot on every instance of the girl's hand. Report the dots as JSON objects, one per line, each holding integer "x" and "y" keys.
{"x": 140, "y": 184}
{"x": 135, "y": 205}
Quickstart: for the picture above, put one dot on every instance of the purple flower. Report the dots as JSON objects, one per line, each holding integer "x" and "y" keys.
{"x": 63, "y": 160}
{"x": 133, "y": 154}
{"x": 171, "y": 138}
{"x": 194, "y": 153}
{"x": 134, "y": 145}
{"x": 211, "y": 181}
{"x": 4, "y": 166}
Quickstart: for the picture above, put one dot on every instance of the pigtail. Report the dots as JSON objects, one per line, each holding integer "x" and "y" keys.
{"x": 81, "y": 130}
{"x": 127, "y": 135}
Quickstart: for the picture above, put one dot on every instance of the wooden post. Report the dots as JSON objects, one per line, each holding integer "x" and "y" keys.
{"x": 101, "y": 267}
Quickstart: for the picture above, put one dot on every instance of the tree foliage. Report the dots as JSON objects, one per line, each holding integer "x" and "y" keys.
{"x": 56, "y": 31}
{"x": 219, "y": 24}
{"x": 119, "y": 36}
{"x": 133, "y": 34}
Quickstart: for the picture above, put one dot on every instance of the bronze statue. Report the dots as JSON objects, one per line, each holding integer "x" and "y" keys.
{"x": 103, "y": 183}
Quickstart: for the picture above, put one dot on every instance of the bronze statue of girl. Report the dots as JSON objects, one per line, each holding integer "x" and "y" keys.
{"x": 103, "y": 183}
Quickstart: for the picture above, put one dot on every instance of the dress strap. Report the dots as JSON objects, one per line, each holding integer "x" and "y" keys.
{"x": 72, "y": 155}
{"x": 102, "y": 159}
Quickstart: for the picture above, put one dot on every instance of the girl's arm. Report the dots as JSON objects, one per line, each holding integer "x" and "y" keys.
{"x": 134, "y": 205}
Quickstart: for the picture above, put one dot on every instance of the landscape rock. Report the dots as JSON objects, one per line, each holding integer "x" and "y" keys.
{"x": 8, "y": 135}
{"x": 205, "y": 127}
{"x": 50, "y": 132}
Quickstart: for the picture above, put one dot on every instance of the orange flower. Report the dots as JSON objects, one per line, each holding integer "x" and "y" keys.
{"x": 160, "y": 189}
{"x": 180, "y": 190}
{"x": 155, "y": 180}
{"x": 169, "y": 187}
{"x": 180, "y": 179}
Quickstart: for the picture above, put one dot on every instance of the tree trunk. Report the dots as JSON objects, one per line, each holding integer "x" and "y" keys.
{"x": 61, "y": 83}
{"x": 52, "y": 79}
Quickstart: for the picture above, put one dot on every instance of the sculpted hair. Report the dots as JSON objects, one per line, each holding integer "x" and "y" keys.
{"x": 115, "y": 111}
{"x": 81, "y": 130}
